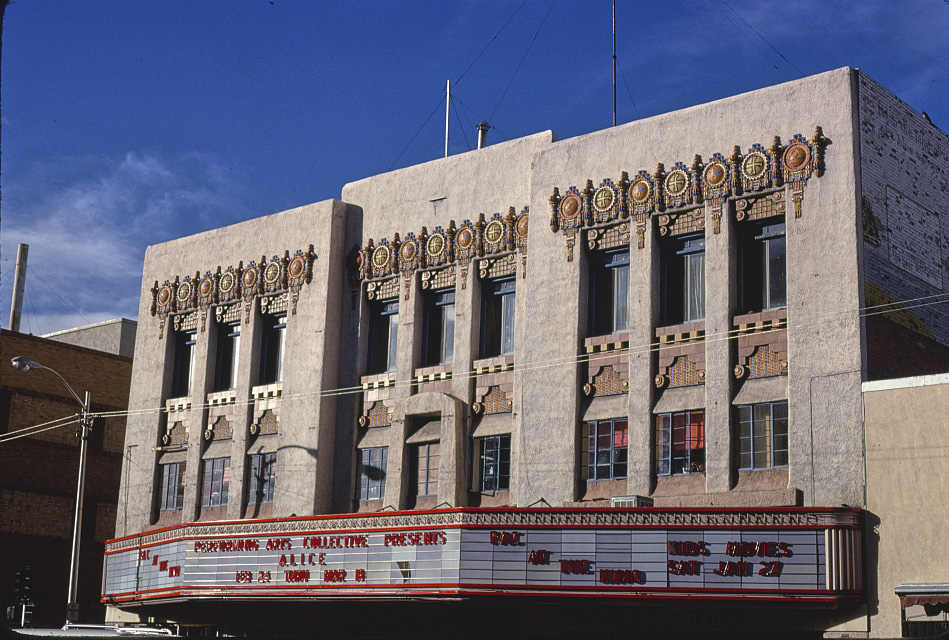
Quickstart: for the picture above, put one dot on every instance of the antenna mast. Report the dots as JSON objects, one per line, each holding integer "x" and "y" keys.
{"x": 447, "y": 107}
{"x": 614, "y": 63}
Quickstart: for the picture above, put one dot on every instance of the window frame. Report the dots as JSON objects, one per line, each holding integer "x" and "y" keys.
{"x": 596, "y": 434}
{"x": 172, "y": 487}
{"x": 609, "y": 312}
{"x": 498, "y": 480}
{"x": 227, "y": 356}
{"x": 775, "y": 430}
{"x": 267, "y": 463}
{"x": 183, "y": 363}
{"x": 762, "y": 268}
{"x": 429, "y": 452}
{"x": 498, "y": 311}
{"x": 438, "y": 326}
{"x": 383, "y": 316}
{"x": 215, "y": 481}
{"x": 367, "y": 457}
{"x": 273, "y": 349}
{"x": 666, "y": 443}
{"x": 682, "y": 299}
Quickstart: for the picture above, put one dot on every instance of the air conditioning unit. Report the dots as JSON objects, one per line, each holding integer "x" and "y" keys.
{"x": 630, "y": 502}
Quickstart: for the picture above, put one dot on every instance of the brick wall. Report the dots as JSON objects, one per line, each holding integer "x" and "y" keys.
{"x": 38, "y": 473}
{"x": 905, "y": 201}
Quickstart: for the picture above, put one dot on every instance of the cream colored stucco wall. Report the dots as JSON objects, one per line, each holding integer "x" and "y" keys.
{"x": 907, "y": 441}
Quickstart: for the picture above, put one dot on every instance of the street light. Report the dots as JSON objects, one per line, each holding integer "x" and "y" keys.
{"x": 72, "y": 608}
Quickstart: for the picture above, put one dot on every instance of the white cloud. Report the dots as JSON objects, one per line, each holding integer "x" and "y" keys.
{"x": 88, "y": 221}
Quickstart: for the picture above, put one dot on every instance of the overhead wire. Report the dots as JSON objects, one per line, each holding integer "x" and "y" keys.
{"x": 567, "y": 360}
{"x": 765, "y": 40}
{"x": 521, "y": 63}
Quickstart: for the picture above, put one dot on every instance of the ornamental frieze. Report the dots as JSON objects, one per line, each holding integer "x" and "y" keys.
{"x": 665, "y": 193}
{"x": 454, "y": 247}
{"x": 241, "y": 285}
{"x": 514, "y": 518}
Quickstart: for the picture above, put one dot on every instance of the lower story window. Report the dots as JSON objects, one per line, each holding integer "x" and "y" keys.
{"x": 426, "y": 469}
{"x": 263, "y": 474}
{"x": 372, "y": 473}
{"x": 605, "y": 445}
{"x": 172, "y": 486}
{"x": 680, "y": 443}
{"x": 495, "y": 464}
{"x": 763, "y": 435}
{"x": 214, "y": 482}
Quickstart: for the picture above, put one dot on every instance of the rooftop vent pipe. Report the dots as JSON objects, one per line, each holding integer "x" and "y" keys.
{"x": 483, "y": 134}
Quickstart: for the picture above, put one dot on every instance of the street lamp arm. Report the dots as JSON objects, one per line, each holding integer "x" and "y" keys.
{"x": 21, "y": 363}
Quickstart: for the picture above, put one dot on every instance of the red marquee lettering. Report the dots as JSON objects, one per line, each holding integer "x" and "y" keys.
{"x": 685, "y": 567}
{"x": 538, "y": 557}
{"x": 687, "y": 548}
{"x": 360, "y": 575}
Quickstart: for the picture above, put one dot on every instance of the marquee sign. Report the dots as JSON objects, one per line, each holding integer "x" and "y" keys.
{"x": 804, "y": 554}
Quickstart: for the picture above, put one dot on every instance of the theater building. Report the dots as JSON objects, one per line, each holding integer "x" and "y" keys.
{"x": 415, "y": 410}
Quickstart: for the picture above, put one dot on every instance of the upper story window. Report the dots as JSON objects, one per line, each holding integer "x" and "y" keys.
{"x": 228, "y": 346}
{"x": 763, "y": 435}
{"x": 497, "y": 317}
{"x": 605, "y": 447}
{"x": 683, "y": 280}
{"x": 263, "y": 475}
{"x": 762, "y": 267}
{"x": 172, "y": 486}
{"x": 439, "y": 327}
{"x": 383, "y": 335}
{"x": 272, "y": 349}
{"x": 609, "y": 284}
{"x": 215, "y": 479}
{"x": 680, "y": 443}
{"x": 495, "y": 465}
{"x": 425, "y": 469}
{"x": 372, "y": 473}
{"x": 183, "y": 364}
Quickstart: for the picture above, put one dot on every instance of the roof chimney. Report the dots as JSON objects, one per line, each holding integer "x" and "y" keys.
{"x": 483, "y": 134}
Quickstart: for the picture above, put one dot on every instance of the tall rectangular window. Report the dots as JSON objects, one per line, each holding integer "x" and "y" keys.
{"x": 495, "y": 464}
{"x": 609, "y": 284}
{"x": 683, "y": 280}
{"x": 497, "y": 318}
{"x": 763, "y": 435}
{"x": 372, "y": 473}
{"x": 228, "y": 346}
{"x": 215, "y": 479}
{"x": 263, "y": 475}
{"x": 680, "y": 443}
{"x": 383, "y": 335}
{"x": 425, "y": 469}
{"x": 762, "y": 267}
{"x": 172, "y": 486}
{"x": 605, "y": 447}
{"x": 183, "y": 364}
{"x": 439, "y": 327}
{"x": 272, "y": 349}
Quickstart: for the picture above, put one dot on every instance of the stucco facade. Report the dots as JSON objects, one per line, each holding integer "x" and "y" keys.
{"x": 668, "y": 313}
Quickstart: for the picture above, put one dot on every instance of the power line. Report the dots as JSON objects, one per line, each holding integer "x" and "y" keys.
{"x": 567, "y": 360}
{"x": 765, "y": 40}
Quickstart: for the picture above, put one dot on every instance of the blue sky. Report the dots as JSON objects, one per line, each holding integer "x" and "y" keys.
{"x": 126, "y": 123}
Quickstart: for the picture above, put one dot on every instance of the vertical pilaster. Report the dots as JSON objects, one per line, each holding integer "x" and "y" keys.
{"x": 643, "y": 304}
{"x": 720, "y": 297}
{"x": 248, "y": 364}
{"x": 202, "y": 369}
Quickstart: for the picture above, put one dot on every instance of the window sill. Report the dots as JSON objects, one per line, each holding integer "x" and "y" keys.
{"x": 265, "y": 391}
{"x": 227, "y": 396}
{"x": 681, "y": 333}
{"x": 178, "y": 404}
{"x": 609, "y": 342}
{"x": 378, "y": 380}
{"x": 494, "y": 364}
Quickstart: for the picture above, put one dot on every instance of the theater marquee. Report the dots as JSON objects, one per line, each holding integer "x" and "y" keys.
{"x": 778, "y": 554}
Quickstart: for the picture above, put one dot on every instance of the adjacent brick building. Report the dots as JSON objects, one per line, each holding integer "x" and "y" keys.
{"x": 38, "y": 473}
{"x": 620, "y": 374}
